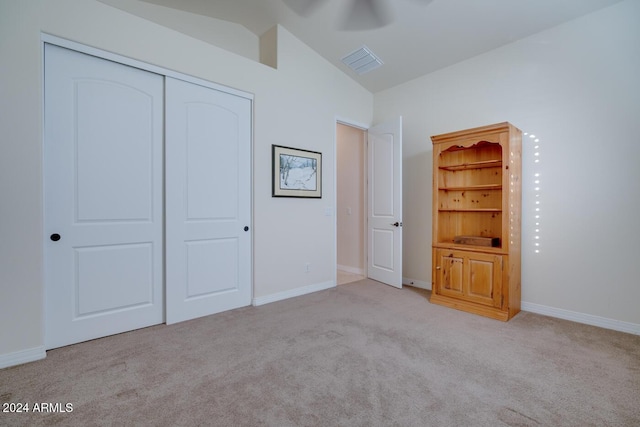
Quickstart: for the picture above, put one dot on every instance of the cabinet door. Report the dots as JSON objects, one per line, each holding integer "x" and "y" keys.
{"x": 469, "y": 276}
{"x": 449, "y": 274}
{"x": 484, "y": 281}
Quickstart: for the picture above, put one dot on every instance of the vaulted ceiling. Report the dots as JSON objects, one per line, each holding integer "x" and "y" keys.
{"x": 420, "y": 36}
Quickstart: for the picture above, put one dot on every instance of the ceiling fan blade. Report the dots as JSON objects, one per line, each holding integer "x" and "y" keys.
{"x": 303, "y": 7}
{"x": 366, "y": 15}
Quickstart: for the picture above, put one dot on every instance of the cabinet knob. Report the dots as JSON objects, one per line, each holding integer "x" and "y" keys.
{"x": 438, "y": 268}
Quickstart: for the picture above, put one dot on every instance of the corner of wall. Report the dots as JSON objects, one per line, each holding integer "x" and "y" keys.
{"x": 22, "y": 356}
{"x": 269, "y": 47}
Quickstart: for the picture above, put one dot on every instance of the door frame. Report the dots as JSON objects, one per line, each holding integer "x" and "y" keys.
{"x": 365, "y": 196}
{"x": 114, "y": 57}
{"x": 46, "y": 38}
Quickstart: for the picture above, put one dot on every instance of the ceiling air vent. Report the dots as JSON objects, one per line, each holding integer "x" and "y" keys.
{"x": 362, "y": 60}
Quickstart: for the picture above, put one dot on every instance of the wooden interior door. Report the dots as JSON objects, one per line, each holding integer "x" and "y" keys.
{"x": 103, "y": 197}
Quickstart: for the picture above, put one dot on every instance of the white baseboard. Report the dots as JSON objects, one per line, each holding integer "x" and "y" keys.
{"x": 294, "y": 293}
{"x": 353, "y": 270}
{"x": 22, "y": 356}
{"x": 416, "y": 283}
{"x": 588, "y": 319}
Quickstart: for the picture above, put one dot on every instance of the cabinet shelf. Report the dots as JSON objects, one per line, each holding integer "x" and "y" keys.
{"x": 472, "y": 187}
{"x": 484, "y": 249}
{"x": 473, "y": 165}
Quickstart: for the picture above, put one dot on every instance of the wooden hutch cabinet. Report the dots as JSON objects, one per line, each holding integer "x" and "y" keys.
{"x": 476, "y": 220}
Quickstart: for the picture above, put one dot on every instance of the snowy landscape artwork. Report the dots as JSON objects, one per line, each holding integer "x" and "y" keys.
{"x": 296, "y": 173}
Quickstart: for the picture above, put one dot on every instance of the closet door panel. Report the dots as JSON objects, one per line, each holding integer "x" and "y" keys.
{"x": 208, "y": 193}
{"x": 103, "y": 197}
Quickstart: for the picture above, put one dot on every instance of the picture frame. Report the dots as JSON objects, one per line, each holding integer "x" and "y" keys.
{"x": 296, "y": 172}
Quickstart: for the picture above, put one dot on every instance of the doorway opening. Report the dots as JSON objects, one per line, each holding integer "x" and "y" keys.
{"x": 351, "y": 207}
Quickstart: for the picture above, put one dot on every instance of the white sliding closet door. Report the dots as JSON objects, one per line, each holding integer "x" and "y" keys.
{"x": 103, "y": 197}
{"x": 208, "y": 200}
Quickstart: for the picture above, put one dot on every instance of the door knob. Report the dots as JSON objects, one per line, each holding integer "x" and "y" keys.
{"x": 55, "y": 237}
{"x": 397, "y": 224}
{"x": 246, "y": 228}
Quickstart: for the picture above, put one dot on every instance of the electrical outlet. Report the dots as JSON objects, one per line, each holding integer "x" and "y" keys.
{"x": 307, "y": 267}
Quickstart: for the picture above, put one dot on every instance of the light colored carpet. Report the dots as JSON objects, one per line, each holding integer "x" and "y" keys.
{"x": 362, "y": 354}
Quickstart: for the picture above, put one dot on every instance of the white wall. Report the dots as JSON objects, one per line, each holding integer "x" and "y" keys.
{"x": 295, "y": 105}
{"x": 577, "y": 88}
{"x": 226, "y": 35}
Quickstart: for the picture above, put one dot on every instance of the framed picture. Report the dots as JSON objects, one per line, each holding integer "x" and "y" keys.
{"x": 296, "y": 173}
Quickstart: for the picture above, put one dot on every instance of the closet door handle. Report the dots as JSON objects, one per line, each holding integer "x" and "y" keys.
{"x": 55, "y": 237}
{"x": 246, "y": 228}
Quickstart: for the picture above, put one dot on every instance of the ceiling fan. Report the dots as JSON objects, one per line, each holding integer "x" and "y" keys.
{"x": 360, "y": 15}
